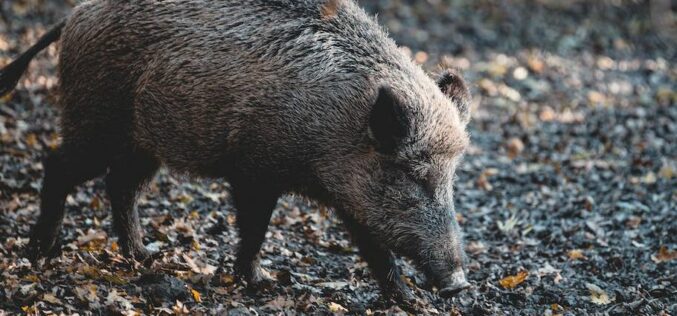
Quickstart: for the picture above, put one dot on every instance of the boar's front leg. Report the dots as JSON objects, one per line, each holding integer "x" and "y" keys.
{"x": 380, "y": 260}
{"x": 254, "y": 207}
{"x": 126, "y": 176}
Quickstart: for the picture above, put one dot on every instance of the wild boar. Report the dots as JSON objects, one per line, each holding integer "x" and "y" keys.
{"x": 274, "y": 96}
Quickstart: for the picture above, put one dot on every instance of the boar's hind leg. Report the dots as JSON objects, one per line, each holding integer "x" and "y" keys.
{"x": 125, "y": 178}
{"x": 381, "y": 261}
{"x": 254, "y": 208}
{"x": 65, "y": 168}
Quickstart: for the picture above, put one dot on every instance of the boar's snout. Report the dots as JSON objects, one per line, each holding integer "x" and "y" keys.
{"x": 444, "y": 260}
{"x": 453, "y": 284}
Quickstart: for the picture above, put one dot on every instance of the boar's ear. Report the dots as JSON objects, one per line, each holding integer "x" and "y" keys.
{"x": 388, "y": 122}
{"x": 453, "y": 86}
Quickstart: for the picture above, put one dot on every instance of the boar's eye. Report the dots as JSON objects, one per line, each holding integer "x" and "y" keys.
{"x": 388, "y": 122}
{"x": 453, "y": 86}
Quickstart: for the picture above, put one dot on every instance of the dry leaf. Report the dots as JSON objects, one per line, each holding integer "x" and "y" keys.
{"x": 30, "y": 310}
{"x": 459, "y": 218}
{"x": 337, "y": 308}
{"x": 90, "y": 272}
{"x": 596, "y": 98}
{"x": 483, "y": 181}
{"x": 231, "y": 219}
{"x": 475, "y": 247}
{"x": 115, "y": 279}
{"x": 535, "y": 64}
{"x": 185, "y": 198}
{"x": 180, "y": 309}
{"x": 54, "y": 141}
{"x": 649, "y": 178}
{"x": 227, "y": 279}
{"x": 191, "y": 263}
{"x": 664, "y": 255}
{"x": 196, "y": 295}
{"x": 512, "y": 281}
{"x": 205, "y": 268}
{"x": 666, "y": 172}
{"x": 597, "y": 295}
{"x": 87, "y": 294}
{"x": 547, "y": 114}
{"x": 633, "y": 222}
{"x": 515, "y": 147}
{"x": 8, "y": 97}
{"x": 576, "y": 254}
{"x": 116, "y": 299}
{"x": 280, "y": 302}
{"x": 31, "y": 140}
{"x": 93, "y": 240}
{"x": 50, "y": 298}
{"x": 95, "y": 203}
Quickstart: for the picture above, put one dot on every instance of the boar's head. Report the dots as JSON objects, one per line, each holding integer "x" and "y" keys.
{"x": 400, "y": 186}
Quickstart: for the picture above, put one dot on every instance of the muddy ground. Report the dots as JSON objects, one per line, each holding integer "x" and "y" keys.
{"x": 567, "y": 197}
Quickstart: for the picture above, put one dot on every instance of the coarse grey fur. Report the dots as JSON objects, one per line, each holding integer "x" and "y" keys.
{"x": 275, "y": 96}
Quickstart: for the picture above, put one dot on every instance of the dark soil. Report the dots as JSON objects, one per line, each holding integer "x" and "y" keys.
{"x": 571, "y": 182}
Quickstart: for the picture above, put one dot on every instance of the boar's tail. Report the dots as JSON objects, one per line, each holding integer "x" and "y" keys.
{"x": 10, "y": 75}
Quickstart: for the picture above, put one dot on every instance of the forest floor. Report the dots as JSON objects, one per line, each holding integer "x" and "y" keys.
{"x": 567, "y": 198}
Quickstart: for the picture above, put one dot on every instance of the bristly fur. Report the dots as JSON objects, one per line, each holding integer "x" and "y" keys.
{"x": 275, "y": 96}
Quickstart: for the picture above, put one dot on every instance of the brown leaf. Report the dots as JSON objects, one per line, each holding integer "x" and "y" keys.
{"x": 512, "y": 281}
{"x": 667, "y": 172}
{"x": 50, "y": 298}
{"x": 536, "y": 64}
{"x": 201, "y": 268}
{"x": 633, "y": 222}
{"x": 115, "y": 279}
{"x": 597, "y": 295}
{"x": 90, "y": 272}
{"x": 231, "y": 219}
{"x": 664, "y": 255}
{"x": 515, "y": 147}
{"x": 483, "y": 182}
{"x": 475, "y": 247}
{"x": 180, "y": 309}
{"x": 576, "y": 254}
{"x": 337, "y": 308}
{"x": 196, "y": 295}
{"x": 95, "y": 203}
{"x": 227, "y": 279}
{"x": 32, "y": 278}
{"x": 547, "y": 114}
{"x": 92, "y": 241}
{"x": 31, "y": 140}
{"x": 196, "y": 245}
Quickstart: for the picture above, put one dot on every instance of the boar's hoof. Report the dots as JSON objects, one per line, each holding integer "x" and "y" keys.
{"x": 43, "y": 248}
{"x": 137, "y": 253}
{"x": 259, "y": 279}
{"x": 454, "y": 284}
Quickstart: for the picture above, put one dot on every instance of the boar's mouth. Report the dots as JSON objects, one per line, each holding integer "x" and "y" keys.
{"x": 453, "y": 284}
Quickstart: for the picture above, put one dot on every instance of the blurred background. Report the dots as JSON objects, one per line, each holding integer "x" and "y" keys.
{"x": 568, "y": 196}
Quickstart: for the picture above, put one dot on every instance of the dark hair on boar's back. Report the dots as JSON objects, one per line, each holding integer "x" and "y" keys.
{"x": 274, "y": 96}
